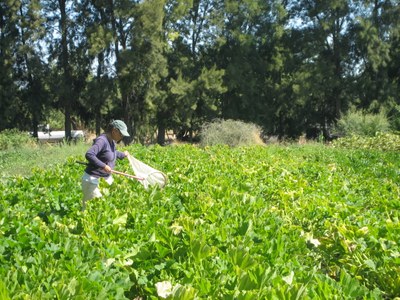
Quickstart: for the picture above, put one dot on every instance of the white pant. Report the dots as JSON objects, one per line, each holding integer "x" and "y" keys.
{"x": 90, "y": 187}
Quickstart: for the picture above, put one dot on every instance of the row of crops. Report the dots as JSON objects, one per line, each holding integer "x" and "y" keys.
{"x": 233, "y": 223}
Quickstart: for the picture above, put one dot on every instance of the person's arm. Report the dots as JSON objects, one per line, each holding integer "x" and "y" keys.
{"x": 121, "y": 155}
{"x": 91, "y": 154}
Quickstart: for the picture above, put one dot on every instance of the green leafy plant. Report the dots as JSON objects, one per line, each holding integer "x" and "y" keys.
{"x": 361, "y": 123}
{"x": 13, "y": 138}
{"x": 3, "y": 291}
{"x": 276, "y": 222}
{"x": 381, "y": 141}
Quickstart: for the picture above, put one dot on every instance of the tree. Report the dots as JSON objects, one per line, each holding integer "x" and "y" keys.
{"x": 31, "y": 68}
{"x": 9, "y": 96}
{"x": 194, "y": 84}
{"x": 147, "y": 67}
{"x": 326, "y": 29}
{"x": 23, "y": 69}
{"x": 97, "y": 42}
{"x": 66, "y": 57}
{"x": 65, "y": 94}
{"x": 257, "y": 61}
{"x": 378, "y": 44}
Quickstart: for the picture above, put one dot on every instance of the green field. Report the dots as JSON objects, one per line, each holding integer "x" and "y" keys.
{"x": 21, "y": 160}
{"x": 274, "y": 222}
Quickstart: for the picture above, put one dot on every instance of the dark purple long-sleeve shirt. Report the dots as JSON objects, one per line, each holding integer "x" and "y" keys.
{"x": 103, "y": 152}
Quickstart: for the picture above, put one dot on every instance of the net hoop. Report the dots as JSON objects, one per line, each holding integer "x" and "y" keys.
{"x": 151, "y": 176}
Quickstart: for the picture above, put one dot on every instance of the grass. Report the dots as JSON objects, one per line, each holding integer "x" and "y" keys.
{"x": 21, "y": 161}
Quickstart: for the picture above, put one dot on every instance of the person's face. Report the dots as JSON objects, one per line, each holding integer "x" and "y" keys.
{"x": 117, "y": 135}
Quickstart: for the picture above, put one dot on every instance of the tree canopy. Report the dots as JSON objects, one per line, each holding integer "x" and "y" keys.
{"x": 161, "y": 65}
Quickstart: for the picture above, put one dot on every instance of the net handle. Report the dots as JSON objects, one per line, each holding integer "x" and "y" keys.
{"x": 127, "y": 175}
{"x": 117, "y": 172}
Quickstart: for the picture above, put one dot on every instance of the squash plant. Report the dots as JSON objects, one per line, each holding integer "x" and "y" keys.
{"x": 276, "y": 222}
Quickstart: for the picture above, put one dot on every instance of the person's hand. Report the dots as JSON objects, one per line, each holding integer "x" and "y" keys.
{"x": 107, "y": 168}
{"x": 126, "y": 153}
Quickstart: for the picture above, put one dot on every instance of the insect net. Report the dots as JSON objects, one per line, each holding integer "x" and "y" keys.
{"x": 150, "y": 175}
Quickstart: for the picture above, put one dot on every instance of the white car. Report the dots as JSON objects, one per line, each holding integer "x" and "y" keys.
{"x": 45, "y": 134}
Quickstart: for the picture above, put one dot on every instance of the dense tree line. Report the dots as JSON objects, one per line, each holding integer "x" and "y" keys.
{"x": 286, "y": 65}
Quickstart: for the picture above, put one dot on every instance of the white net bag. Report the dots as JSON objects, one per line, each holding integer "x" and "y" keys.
{"x": 150, "y": 175}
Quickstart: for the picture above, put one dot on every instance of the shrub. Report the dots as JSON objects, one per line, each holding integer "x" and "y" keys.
{"x": 362, "y": 124}
{"x": 13, "y": 138}
{"x": 381, "y": 141}
{"x": 230, "y": 132}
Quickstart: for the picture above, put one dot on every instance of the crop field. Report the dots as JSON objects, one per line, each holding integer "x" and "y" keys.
{"x": 262, "y": 222}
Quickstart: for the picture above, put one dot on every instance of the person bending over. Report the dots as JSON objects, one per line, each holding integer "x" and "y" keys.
{"x": 101, "y": 157}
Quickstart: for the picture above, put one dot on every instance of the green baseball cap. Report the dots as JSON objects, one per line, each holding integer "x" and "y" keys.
{"x": 121, "y": 126}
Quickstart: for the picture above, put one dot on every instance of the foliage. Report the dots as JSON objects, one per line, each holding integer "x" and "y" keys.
{"x": 142, "y": 66}
{"x": 13, "y": 138}
{"x": 376, "y": 42}
{"x": 3, "y": 291}
{"x": 55, "y": 119}
{"x": 197, "y": 98}
{"x": 24, "y": 157}
{"x": 229, "y": 132}
{"x": 381, "y": 141}
{"x": 358, "y": 122}
{"x": 174, "y": 64}
{"x": 268, "y": 222}
{"x": 394, "y": 117}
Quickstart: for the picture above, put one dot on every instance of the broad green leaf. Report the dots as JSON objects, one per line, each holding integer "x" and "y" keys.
{"x": 121, "y": 220}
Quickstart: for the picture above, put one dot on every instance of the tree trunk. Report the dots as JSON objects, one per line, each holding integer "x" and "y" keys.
{"x": 66, "y": 84}
{"x": 98, "y": 121}
{"x": 161, "y": 133}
